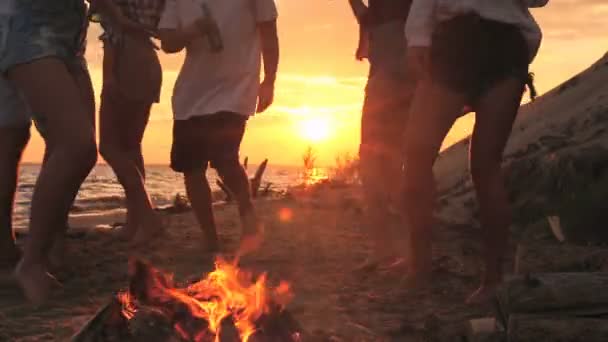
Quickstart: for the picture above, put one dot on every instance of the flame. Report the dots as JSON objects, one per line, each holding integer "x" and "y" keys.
{"x": 227, "y": 292}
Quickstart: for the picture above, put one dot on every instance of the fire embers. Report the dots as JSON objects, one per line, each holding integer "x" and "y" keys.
{"x": 225, "y": 306}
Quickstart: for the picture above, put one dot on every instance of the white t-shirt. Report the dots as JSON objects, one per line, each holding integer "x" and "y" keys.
{"x": 226, "y": 81}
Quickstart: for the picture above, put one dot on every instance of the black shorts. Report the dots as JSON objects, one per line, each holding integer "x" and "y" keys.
{"x": 209, "y": 139}
{"x": 470, "y": 54}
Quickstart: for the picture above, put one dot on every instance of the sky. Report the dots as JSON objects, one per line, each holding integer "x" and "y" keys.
{"x": 319, "y": 90}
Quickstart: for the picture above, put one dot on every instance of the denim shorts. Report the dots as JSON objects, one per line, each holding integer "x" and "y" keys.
{"x": 37, "y": 29}
{"x": 14, "y": 111}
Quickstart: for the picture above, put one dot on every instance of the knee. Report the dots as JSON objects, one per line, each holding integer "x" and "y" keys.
{"x": 84, "y": 154}
{"x": 108, "y": 150}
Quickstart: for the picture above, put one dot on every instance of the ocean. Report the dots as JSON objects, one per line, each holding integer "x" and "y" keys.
{"x": 102, "y": 192}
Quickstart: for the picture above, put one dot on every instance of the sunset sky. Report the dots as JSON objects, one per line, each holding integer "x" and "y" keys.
{"x": 320, "y": 86}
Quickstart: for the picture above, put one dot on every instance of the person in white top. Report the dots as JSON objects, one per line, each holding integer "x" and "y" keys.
{"x": 217, "y": 90}
{"x": 467, "y": 54}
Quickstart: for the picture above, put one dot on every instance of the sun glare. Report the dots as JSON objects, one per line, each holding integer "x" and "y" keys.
{"x": 316, "y": 129}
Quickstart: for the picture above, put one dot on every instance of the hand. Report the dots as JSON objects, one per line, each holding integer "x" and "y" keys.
{"x": 418, "y": 60}
{"x": 265, "y": 96}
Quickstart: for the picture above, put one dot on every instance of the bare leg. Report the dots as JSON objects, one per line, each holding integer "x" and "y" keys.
{"x": 145, "y": 223}
{"x": 434, "y": 110}
{"x": 12, "y": 143}
{"x": 234, "y": 176}
{"x": 83, "y": 80}
{"x": 137, "y": 123}
{"x": 199, "y": 194}
{"x": 496, "y": 114}
{"x": 376, "y": 170}
{"x": 50, "y": 89}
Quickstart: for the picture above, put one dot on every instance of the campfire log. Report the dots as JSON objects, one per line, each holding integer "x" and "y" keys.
{"x": 574, "y": 294}
{"x": 153, "y": 310}
{"x": 534, "y": 328}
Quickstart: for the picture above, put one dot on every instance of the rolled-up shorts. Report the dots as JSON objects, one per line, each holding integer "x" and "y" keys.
{"x": 14, "y": 111}
{"x": 35, "y": 29}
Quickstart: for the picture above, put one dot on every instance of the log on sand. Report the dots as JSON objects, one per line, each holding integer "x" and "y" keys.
{"x": 255, "y": 182}
{"x": 534, "y": 328}
{"x": 574, "y": 294}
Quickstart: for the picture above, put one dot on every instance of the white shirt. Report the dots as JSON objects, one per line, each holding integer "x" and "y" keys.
{"x": 425, "y": 14}
{"x": 226, "y": 81}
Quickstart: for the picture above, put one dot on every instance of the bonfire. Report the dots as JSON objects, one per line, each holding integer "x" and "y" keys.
{"x": 229, "y": 304}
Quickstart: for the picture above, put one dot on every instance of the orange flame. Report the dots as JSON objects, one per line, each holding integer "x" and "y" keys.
{"x": 226, "y": 292}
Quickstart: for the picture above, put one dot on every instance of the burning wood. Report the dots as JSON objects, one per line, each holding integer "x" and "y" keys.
{"x": 224, "y": 306}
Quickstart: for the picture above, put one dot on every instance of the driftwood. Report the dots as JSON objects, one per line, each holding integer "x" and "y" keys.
{"x": 549, "y": 257}
{"x": 255, "y": 182}
{"x": 534, "y": 328}
{"x": 96, "y": 329}
{"x": 574, "y": 294}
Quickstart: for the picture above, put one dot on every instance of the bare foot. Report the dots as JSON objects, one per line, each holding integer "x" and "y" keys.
{"x": 36, "y": 283}
{"x": 151, "y": 229}
{"x": 483, "y": 295}
{"x": 129, "y": 229}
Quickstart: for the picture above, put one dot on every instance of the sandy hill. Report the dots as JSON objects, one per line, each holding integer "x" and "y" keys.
{"x": 557, "y": 154}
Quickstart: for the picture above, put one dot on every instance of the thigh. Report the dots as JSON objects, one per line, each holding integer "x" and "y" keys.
{"x": 135, "y": 123}
{"x": 52, "y": 92}
{"x": 432, "y": 114}
{"x": 497, "y": 110}
{"x": 226, "y": 133}
{"x": 112, "y": 113}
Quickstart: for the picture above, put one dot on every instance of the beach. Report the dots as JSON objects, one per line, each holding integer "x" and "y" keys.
{"x": 315, "y": 238}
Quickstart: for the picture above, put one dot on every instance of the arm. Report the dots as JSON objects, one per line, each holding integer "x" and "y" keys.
{"x": 270, "y": 49}
{"x": 359, "y": 9}
{"x": 270, "y": 54}
{"x": 420, "y": 22}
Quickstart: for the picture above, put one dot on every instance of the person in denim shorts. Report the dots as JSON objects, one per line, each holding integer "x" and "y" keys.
{"x": 41, "y": 48}
{"x": 15, "y": 125}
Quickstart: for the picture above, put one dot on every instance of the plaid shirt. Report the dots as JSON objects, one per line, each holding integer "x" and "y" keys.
{"x": 145, "y": 12}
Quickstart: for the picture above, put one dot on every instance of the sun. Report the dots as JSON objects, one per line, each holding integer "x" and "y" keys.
{"x": 315, "y": 129}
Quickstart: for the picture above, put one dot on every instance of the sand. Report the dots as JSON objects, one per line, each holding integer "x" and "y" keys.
{"x": 315, "y": 239}
{"x": 315, "y": 248}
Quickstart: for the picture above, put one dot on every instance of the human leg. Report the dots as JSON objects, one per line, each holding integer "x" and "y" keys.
{"x": 224, "y": 146}
{"x": 114, "y": 109}
{"x": 434, "y": 110}
{"x": 50, "y": 89}
{"x": 12, "y": 143}
{"x": 496, "y": 113}
{"x": 199, "y": 194}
